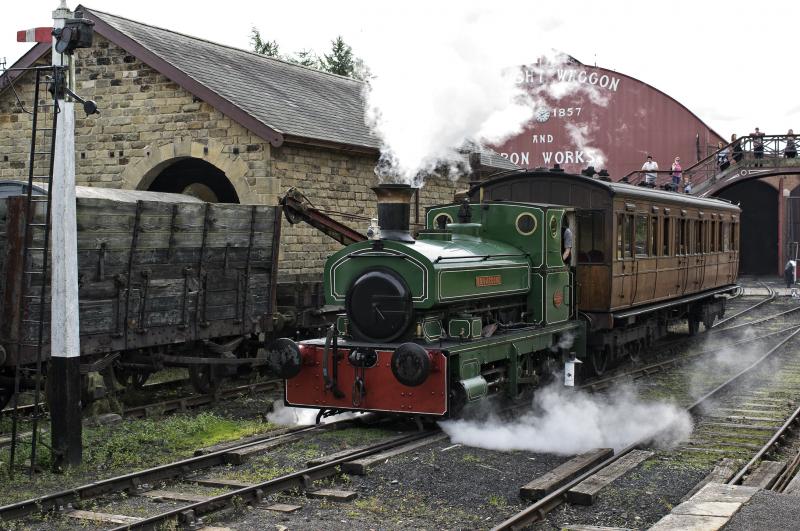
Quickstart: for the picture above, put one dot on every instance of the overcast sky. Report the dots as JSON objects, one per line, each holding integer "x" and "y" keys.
{"x": 733, "y": 63}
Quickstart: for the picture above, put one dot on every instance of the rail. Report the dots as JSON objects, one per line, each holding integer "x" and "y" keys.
{"x": 538, "y": 510}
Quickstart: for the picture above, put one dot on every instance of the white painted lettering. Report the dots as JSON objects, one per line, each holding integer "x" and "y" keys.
{"x": 593, "y": 78}
{"x": 522, "y": 159}
{"x": 547, "y": 155}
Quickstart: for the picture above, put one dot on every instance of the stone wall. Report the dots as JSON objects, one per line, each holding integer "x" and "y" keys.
{"x": 334, "y": 181}
{"x": 147, "y": 122}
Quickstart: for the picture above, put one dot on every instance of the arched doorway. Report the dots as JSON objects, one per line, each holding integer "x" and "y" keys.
{"x": 793, "y": 221}
{"x": 759, "y": 227}
{"x": 197, "y": 178}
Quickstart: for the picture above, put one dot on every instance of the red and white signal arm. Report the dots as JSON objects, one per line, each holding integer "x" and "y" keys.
{"x": 35, "y": 35}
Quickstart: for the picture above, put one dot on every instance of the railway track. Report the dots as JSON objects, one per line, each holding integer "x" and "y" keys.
{"x": 681, "y": 344}
{"x": 179, "y": 404}
{"x": 193, "y": 471}
{"x": 774, "y": 428}
{"x": 172, "y": 404}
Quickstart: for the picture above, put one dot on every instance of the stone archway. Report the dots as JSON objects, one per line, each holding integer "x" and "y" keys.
{"x": 195, "y": 177}
{"x": 142, "y": 174}
{"x": 759, "y": 225}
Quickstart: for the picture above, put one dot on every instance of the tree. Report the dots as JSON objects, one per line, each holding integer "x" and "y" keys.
{"x": 340, "y": 61}
{"x": 268, "y": 48}
{"x": 306, "y": 58}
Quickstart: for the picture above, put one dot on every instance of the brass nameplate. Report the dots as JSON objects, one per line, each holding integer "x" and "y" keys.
{"x": 491, "y": 280}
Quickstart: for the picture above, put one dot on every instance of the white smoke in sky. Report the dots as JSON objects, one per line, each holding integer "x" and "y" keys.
{"x": 580, "y": 136}
{"x": 568, "y": 421}
{"x": 451, "y": 78}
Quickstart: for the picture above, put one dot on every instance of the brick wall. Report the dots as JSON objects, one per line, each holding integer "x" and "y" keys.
{"x": 146, "y": 120}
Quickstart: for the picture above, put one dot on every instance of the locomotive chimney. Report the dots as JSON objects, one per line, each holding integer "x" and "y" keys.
{"x": 394, "y": 208}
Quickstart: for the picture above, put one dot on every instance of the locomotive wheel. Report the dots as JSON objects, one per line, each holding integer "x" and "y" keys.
{"x": 205, "y": 379}
{"x": 599, "y": 359}
{"x": 130, "y": 379}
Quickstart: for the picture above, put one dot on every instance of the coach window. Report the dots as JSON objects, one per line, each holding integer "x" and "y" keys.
{"x": 665, "y": 236}
{"x": 591, "y": 237}
{"x": 624, "y": 236}
{"x": 680, "y": 239}
{"x": 641, "y": 235}
{"x": 700, "y": 236}
{"x": 653, "y": 236}
{"x": 717, "y": 239}
{"x": 726, "y": 236}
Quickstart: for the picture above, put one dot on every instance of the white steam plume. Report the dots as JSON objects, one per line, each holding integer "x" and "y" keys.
{"x": 449, "y": 77}
{"x": 299, "y": 416}
{"x": 579, "y": 134}
{"x": 567, "y": 422}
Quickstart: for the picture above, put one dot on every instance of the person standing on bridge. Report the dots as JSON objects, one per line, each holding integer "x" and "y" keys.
{"x": 737, "y": 148}
{"x": 790, "y": 151}
{"x": 650, "y": 167}
{"x": 758, "y": 146}
{"x": 677, "y": 173}
{"x": 722, "y": 157}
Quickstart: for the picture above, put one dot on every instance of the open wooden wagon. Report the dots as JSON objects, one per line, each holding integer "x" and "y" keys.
{"x": 165, "y": 280}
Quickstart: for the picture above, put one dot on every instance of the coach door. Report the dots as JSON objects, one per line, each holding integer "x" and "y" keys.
{"x": 682, "y": 253}
{"x": 624, "y": 263}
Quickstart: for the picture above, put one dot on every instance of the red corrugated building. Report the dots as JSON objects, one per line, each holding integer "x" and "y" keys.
{"x": 612, "y": 121}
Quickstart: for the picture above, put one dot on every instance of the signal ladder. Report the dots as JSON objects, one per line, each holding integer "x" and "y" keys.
{"x": 33, "y": 279}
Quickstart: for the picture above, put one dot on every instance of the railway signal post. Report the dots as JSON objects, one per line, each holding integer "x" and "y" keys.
{"x": 65, "y": 405}
{"x": 64, "y": 379}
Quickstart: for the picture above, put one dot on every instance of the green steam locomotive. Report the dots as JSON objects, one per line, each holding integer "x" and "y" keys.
{"x": 480, "y": 303}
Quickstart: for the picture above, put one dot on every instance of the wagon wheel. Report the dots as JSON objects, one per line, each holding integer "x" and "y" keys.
{"x": 599, "y": 360}
{"x": 708, "y": 322}
{"x": 130, "y": 379}
{"x": 205, "y": 379}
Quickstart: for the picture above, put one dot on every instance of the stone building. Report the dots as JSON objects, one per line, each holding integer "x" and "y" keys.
{"x": 183, "y": 114}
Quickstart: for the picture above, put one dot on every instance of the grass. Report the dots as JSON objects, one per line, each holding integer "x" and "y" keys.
{"x": 147, "y": 442}
{"x": 125, "y": 447}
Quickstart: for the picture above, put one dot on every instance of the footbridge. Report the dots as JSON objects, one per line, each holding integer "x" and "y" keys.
{"x": 746, "y": 158}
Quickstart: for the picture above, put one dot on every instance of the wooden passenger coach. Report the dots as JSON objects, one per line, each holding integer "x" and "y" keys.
{"x": 643, "y": 257}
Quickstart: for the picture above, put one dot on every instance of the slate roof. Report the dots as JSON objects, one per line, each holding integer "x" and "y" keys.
{"x": 277, "y": 100}
{"x": 290, "y": 99}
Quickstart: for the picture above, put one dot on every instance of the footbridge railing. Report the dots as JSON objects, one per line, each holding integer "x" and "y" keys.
{"x": 744, "y": 157}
